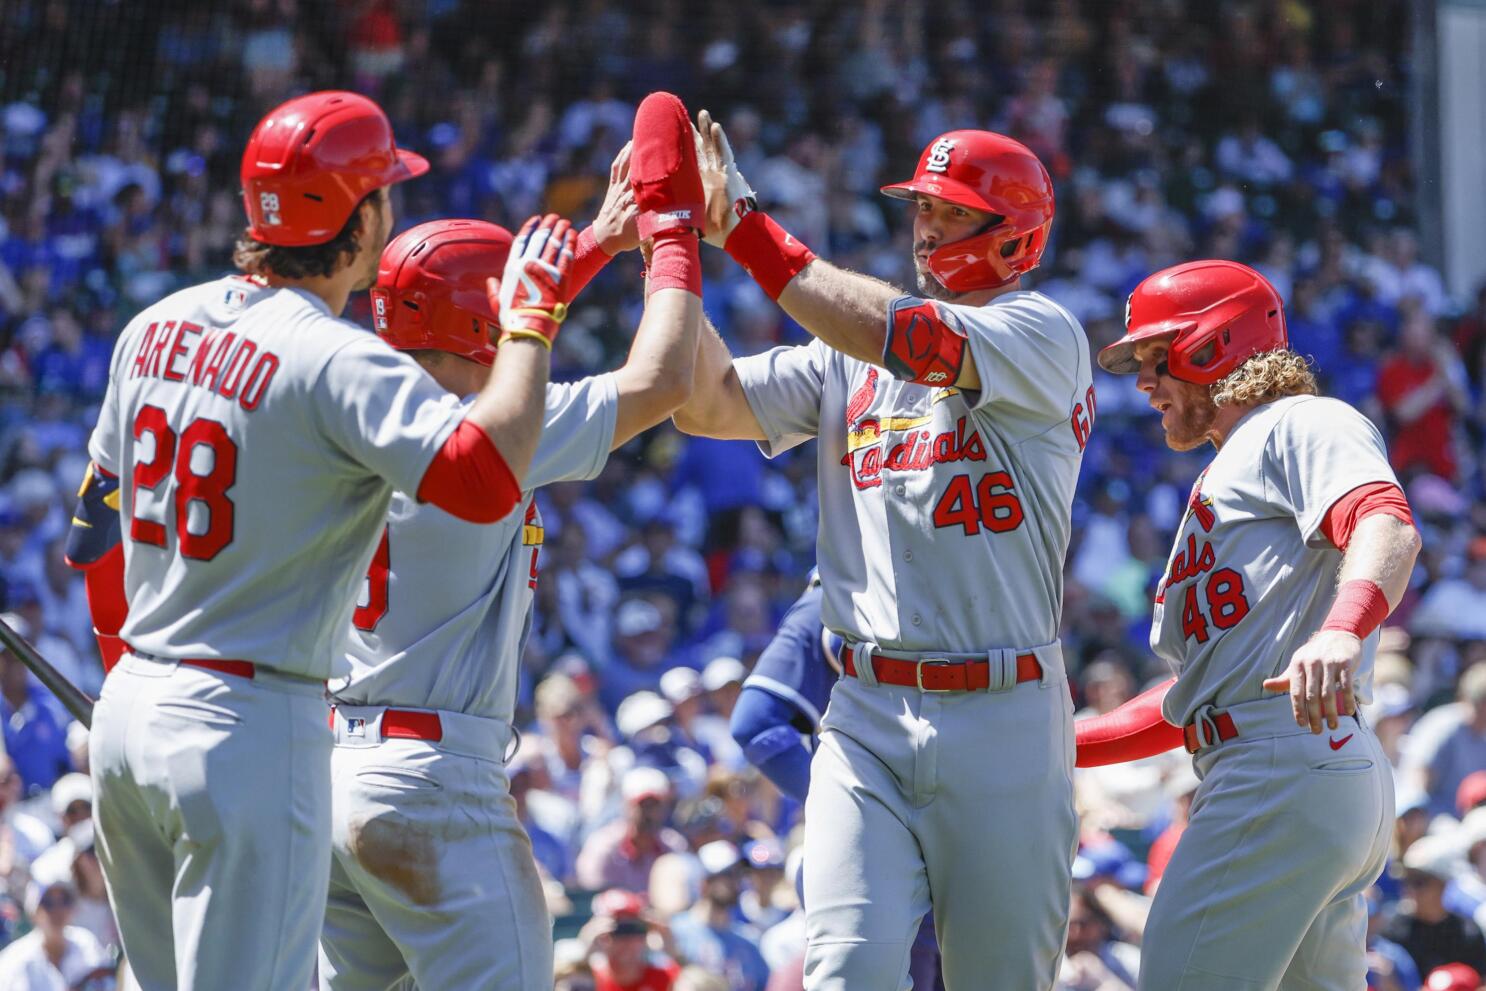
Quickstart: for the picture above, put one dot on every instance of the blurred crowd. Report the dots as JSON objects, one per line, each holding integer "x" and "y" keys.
{"x": 1268, "y": 131}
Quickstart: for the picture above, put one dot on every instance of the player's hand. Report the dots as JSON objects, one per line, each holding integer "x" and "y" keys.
{"x": 614, "y": 228}
{"x": 729, "y": 197}
{"x": 1319, "y": 679}
{"x": 530, "y": 292}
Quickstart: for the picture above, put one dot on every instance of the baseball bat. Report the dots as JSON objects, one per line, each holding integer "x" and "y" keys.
{"x": 75, "y": 699}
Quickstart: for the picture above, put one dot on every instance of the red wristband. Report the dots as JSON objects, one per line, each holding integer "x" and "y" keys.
{"x": 1360, "y": 608}
{"x": 589, "y": 258}
{"x": 675, "y": 261}
{"x": 767, "y": 252}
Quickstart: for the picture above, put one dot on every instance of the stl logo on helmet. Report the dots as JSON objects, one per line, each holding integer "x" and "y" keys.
{"x": 269, "y": 204}
{"x": 939, "y": 155}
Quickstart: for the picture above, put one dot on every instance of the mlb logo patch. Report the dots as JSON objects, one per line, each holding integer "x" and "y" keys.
{"x": 379, "y": 310}
{"x": 356, "y": 727}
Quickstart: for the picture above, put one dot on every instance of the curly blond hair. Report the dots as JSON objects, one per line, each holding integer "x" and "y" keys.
{"x": 1264, "y": 378}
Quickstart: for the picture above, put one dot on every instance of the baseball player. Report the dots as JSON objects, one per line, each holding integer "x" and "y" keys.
{"x": 786, "y": 692}
{"x": 951, "y": 427}
{"x": 244, "y": 458}
{"x": 433, "y": 874}
{"x": 1293, "y": 817}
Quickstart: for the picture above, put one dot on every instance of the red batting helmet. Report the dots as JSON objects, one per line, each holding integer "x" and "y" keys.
{"x": 992, "y": 172}
{"x": 1453, "y": 977}
{"x": 312, "y": 160}
{"x": 1218, "y": 314}
{"x": 430, "y": 291}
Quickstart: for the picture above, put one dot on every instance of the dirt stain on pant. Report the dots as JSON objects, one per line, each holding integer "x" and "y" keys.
{"x": 399, "y": 852}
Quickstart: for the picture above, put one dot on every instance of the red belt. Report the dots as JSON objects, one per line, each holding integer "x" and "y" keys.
{"x": 1223, "y": 728}
{"x": 243, "y": 669}
{"x": 407, "y": 724}
{"x": 935, "y": 675}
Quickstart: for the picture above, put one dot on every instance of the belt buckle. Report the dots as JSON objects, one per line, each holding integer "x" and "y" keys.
{"x": 918, "y": 673}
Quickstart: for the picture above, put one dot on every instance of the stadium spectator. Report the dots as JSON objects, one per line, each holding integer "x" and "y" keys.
{"x": 1432, "y": 934}
{"x": 1422, "y": 388}
{"x": 1449, "y": 743}
{"x": 712, "y": 934}
{"x": 56, "y": 955}
{"x": 1095, "y": 960}
{"x": 620, "y": 854}
{"x": 1389, "y": 966}
{"x": 34, "y": 726}
{"x": 622, "y": 958}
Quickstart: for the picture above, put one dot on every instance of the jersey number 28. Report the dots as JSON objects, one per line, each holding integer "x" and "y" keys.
{"x": 182, "y": 455}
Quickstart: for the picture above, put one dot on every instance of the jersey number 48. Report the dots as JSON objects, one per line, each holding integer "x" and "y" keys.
{"x": 185, "y": 456}
{"x": 1226, "y": 603}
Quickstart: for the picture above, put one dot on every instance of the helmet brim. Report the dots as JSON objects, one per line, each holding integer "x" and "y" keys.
{"x": 1119, "y": 358}
{"x": 941, "y": 186}
{"x": 409, "y": 165}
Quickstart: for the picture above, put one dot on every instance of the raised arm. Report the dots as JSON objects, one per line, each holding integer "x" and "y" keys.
{"x": 717, "y": 406}
{"x": 658, "y": 376}
{"x": 850, "y": 312}
{"x": 509, "y": 408}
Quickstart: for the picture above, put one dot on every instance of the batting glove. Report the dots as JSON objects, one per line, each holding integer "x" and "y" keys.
{"x": 729, "y": 196}
{"x": 533, "y": 285}
{"x": 663, "y": 168}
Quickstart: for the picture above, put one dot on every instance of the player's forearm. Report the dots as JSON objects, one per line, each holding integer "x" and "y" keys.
{"x": 658, "y": 375}
{"x": 1133, "y": 731}
{"x": 1382, "y": 550}
{"x": 844, "y": 309}
{"x": 717, "y": 406}
{"x": 510, "y": 407}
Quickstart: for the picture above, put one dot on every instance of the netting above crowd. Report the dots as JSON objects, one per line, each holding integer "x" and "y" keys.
{"x": 1268, "y": 132}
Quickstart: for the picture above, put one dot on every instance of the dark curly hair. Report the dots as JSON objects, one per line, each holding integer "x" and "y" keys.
{"x": 256, "y": 258}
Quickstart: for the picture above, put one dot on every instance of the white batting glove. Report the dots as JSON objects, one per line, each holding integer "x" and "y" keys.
{"x": 729, "y": 196}
{"x": 531, "y": 289}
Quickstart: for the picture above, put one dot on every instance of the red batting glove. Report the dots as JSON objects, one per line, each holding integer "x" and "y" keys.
{"x": 530, "y": 294}
{"x": 663, "y": 168}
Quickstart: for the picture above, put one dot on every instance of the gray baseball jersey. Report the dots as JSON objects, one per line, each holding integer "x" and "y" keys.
{"x": 446, "y": 604}
{"x": 944, "y": 514}
{"x": 259, "y": 439}
{"x": 1251, "y": 577}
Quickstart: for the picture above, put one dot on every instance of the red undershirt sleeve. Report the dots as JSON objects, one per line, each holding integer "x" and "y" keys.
{"x": 104, "y": 583}
{"x": 1133, "y": 731}
{"x": 1365, "y": 500}
{"x": 469, "y": 478}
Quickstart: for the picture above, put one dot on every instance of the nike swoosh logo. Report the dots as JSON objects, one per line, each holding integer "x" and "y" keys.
{"x": 1338, "y": 744}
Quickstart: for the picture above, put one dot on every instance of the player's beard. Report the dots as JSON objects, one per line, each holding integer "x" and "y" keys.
{"x": 1191, "y": 415}
{"x": 929, "y": 285}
